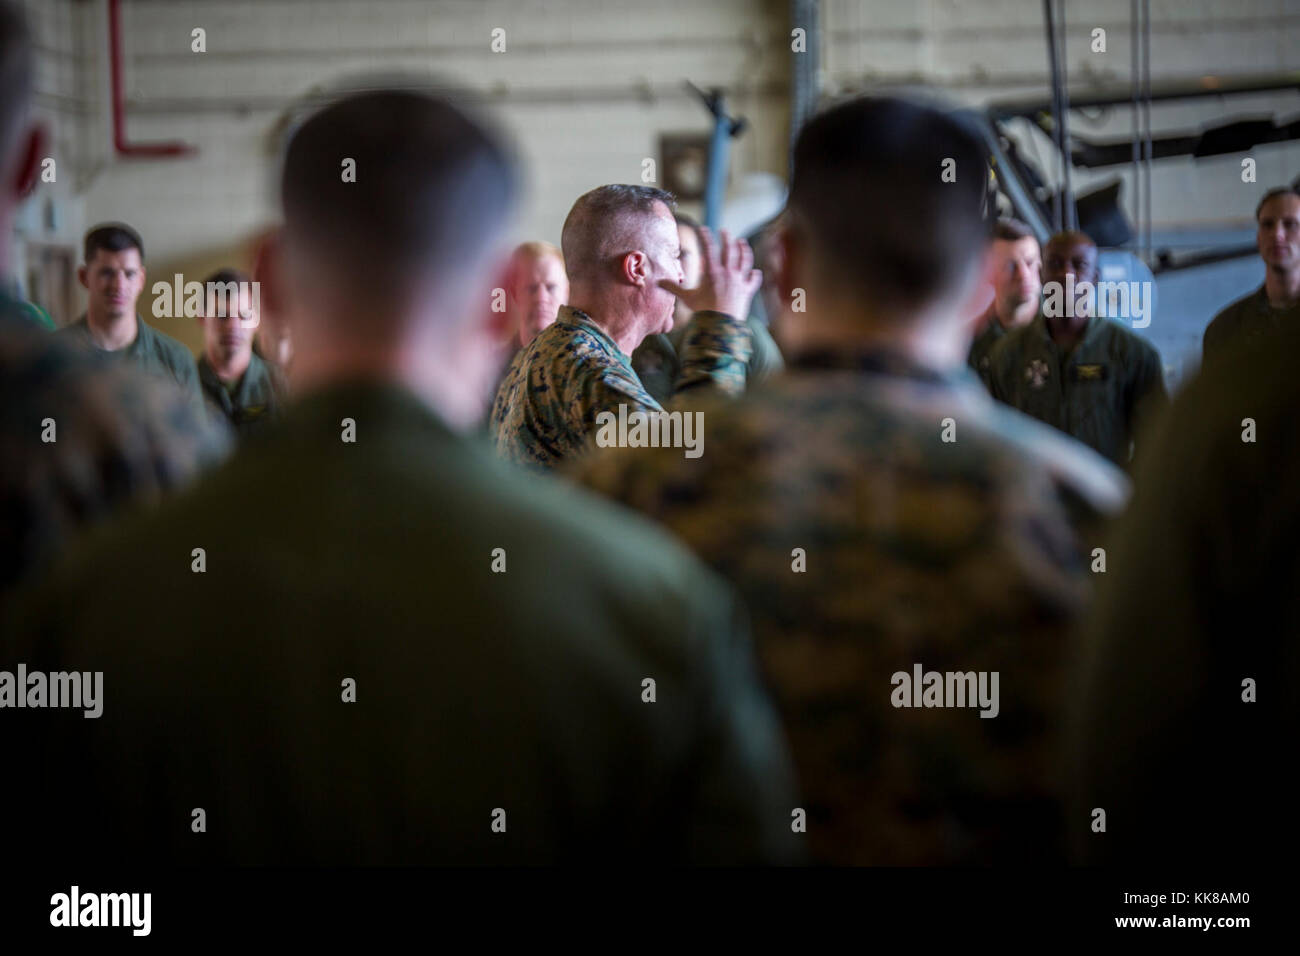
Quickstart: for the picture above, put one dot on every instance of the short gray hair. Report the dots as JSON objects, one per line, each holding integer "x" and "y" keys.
{"x": 602, "y": 223}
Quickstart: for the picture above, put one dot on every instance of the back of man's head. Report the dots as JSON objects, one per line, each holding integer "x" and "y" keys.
{"x": 391, "y": 188}
{"x": 16, "y": 67}
{"x": 605, "y": 224}
{"x": 889, "y": 195}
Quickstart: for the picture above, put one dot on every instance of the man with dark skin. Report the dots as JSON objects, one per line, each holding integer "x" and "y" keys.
{"x": 1074, "y": 369}
{"x": 1275, "y": 304}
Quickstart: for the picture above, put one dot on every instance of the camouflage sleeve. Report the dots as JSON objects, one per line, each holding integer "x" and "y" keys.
{"x": 766, "y": 360}
{"x": 715, "y": 352}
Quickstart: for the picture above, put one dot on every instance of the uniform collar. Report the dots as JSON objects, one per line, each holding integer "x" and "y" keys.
{"x": 377, "y": 407}
{"x": 143, "y": 335}
{"x": 577, "y": 319}
{"x": 210, "y": 379}
{"x": 876, "y": 361}
{"x": 1090, "y": 331}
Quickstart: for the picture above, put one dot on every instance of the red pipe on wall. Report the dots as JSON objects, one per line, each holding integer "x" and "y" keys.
{"x": 119, "y": 98}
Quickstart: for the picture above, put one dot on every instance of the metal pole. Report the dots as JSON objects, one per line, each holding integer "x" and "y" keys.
{"x": 1146, "y": 118}
{"x": 1050, "y": 19}
{"x": 1067, "y": 163}
{"x": 719, "y": 154}
{"x": 1135, "y": 82}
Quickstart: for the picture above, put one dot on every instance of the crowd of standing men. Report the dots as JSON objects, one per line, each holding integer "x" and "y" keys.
{"x": 360, "y": 633}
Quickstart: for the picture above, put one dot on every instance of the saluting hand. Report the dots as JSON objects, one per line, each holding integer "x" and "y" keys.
{"x": 728, "y": 279}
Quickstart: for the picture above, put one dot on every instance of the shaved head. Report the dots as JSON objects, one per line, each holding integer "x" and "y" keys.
{"x": 606, "y": 224}
{"x": 395, "y": 186}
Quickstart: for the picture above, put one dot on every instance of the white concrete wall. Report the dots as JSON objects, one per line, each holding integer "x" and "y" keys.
{"x": 586, "y": 87}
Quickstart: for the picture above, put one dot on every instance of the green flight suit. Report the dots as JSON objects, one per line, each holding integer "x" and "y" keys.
{"x": 865, "y": 543}
{"x": 155, "y": 352}
{"x": 1244, "y": 321}
{"x": 255, "y": 399}
{"x": 982, "y": 345}
{"x": 1098, "y": 392}
{"x": 657, "y": 360}
{"x": 502, "y": 631}
{"x": 1201, "y": 595}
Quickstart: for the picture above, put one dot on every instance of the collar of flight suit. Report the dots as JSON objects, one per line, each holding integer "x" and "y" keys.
{"x": 144, "y": 336}
{"x": 876, "y": 361}
{"x": 1090, "y": 332}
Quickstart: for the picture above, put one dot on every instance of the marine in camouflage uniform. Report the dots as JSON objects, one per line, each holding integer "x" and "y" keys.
{"x": 1097, "y": 392}
{"x": 151, "y": 351}
{"x": 545, "y": 410}
{"x": 657, "y": 360}
{"x": 116, "y": 438}
{"x": 955, "y": 555}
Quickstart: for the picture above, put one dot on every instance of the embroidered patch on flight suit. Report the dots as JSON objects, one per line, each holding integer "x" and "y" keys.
{"x": 1036, "y": 373}
{"x": 1090, "y": 373}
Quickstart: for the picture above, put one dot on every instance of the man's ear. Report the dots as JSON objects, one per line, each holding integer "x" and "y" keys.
{"x": 27, "y": 168}
{"x": 636, "y": 268}
{"x": 81, "y": 277}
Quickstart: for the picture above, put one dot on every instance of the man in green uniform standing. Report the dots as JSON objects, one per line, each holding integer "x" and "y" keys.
{"x": 886, "y": 520}
{"x": 114, "y": 278}
{"x": 621, "y": 249}
{"x": 1189, "y": 668}
{"x": 1016, "y": 261}
{"x": 366, "y": 639}
{"x": 82, "y": 437}
{"x": 1275, "y": 304}
{"x": 657, "y": 361}
{"x": 1074, "y": 369}
{"x": 241, "y": 389}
